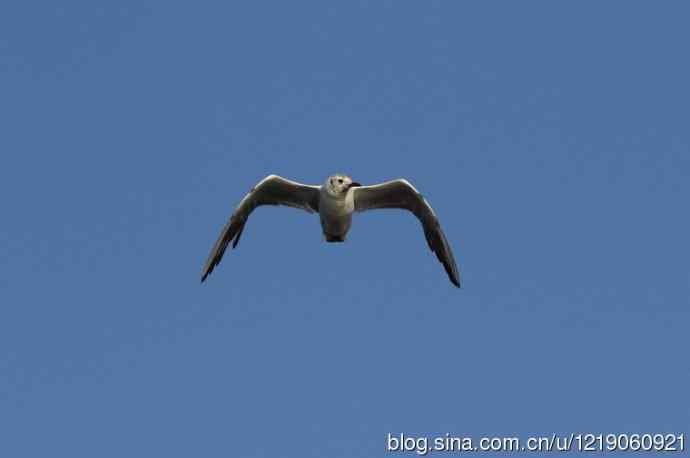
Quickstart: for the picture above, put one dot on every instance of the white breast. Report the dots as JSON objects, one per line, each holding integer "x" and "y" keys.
{"x": 336, "y": 213}
{"x": 333, "y": 207}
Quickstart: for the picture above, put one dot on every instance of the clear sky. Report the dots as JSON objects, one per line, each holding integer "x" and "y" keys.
{"x": 550, "y": 137}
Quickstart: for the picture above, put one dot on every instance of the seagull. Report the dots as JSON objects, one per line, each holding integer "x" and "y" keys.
{"x": 335, "y": 201}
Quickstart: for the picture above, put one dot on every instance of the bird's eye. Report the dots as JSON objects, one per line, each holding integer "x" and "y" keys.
{"x": 340, "y": 180}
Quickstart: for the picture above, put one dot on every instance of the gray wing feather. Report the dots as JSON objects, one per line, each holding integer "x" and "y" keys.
{"x": 272, "y": 190}
{"x": 401, "y": 194}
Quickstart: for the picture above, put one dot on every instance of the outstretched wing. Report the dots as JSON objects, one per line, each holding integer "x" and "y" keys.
{"x": 272, "y": 190}
{"x": 401, "y": 194}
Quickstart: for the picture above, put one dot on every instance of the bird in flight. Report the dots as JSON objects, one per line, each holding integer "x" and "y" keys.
{"x": 335, "y": 201}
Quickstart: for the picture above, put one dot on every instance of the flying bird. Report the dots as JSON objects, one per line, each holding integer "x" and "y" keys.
{"x": 335, "y": 201}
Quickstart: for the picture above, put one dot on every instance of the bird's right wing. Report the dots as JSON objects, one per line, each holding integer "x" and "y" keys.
{"x": 401, "y": 194}
{"x": 272, "y": 190}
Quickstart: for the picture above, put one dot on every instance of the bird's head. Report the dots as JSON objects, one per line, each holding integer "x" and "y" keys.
{"x": 338, "y": 185}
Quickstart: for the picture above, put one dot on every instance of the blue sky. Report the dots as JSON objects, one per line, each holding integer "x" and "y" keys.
{"x": 550, "y": 137}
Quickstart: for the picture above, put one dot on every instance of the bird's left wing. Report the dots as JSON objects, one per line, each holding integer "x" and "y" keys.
{"x": 401, "y": 194}
{"x": 272, "y": 190}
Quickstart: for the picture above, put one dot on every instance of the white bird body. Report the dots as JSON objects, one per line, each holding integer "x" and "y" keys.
{"x": 335, "y": 201}
{"x": 335, "y": 211}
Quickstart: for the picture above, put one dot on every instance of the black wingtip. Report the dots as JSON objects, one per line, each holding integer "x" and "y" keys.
{"x": 237, "y": 237}
{"x": 454, "y": 278}
{"x": 205, "y": 274}
{"x": 457, "y": 280}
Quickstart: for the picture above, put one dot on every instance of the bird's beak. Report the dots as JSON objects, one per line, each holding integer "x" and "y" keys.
{"x": 354, "y": 184}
